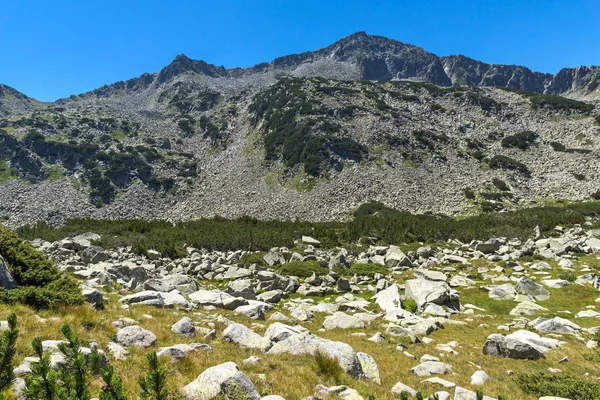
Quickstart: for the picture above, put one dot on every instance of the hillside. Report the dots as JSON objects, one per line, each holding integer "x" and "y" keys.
{"x": 312, "y": 136}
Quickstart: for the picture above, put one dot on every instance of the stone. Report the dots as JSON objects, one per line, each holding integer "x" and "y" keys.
{"x": 377, "y": 338}
{"x": 278, "y": 332}
{"x": 212, "y": 382}
{"x": 172, "y": 352}
{"x": 400, "y": 388}
{"x": 530, "y": 288}
{"x": 370, "y": 371}
{"x": 136, "y": 336}
{"x": 254, "y": 311}
{"x": 399, "y": 331}
{"x": 94, "y": 255}
{"x": 343, "y": 285}
{"x": 431, "y": 368}
{"x": 6, "y": 279}
{"x": 395, "y": 257}
{"x": 439, "y": 381}
{"x": 271, "y": 296}
{"x": 430, "y": 275}
{"x": 519, "y": 345}
{"x": 245, "y": 337}
{"x": 311, "y": 241}
{"x": 464, "y": 394}
{"x": 158, "y": 285}
{"x": 153, "y": 255}
{"x": 502, "y": 292}
{"x": 185, "y": 327}
{"x": 423, "y": 291}
{"x": 340, "y": 320}
{"x": 239, "y": 386}
{"x": 479, "y": 378}
{"x": 307, "y": 343}
{"x": 146, "y": 297}
{"x": 118, "y": 351}
{"x": 388, "y": 299}
{"x": 92, "y": 296}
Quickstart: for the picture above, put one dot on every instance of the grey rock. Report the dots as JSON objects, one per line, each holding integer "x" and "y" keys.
{"x": 136, "y": 336}
{"x": 94, "y": 254}
{"x": 245, "y": 338}
{"x": 530, "y": 288}
{"x": 185, "y": 327}
{"x": 6, "y": 279}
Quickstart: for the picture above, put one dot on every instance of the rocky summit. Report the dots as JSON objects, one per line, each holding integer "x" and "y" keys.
{"x": 309, "y": 136}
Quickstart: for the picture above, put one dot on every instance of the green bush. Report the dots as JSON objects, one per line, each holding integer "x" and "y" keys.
{"x": 562, "y": 385}
{"x": 40, "y": 283}
{"x": 500, "y": 184}
{"x": 27, "y": 265}
{"x": 410, "y": 305}
{"x": 368, "y": 269}
{"x": 303, "y": 269}
{"x": 579, "y": 177}
{"x": 469, "y": 193}
{"x": 597, "y": 119}
{"x": 522, "y": 140}
{"x": 503, "y": 162}
{"x": 63, "y": 291}
{"x": 559, "y": 103}
{"x": 556, "y": 146}
{"x": 253, "y": 258}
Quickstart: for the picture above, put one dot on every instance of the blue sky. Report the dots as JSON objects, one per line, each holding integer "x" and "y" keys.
{"x": 52, "y": 49}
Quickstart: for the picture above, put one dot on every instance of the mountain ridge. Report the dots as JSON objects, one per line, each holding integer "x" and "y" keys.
{"x": 372, "y": 57}
{"x": 304, "y": 136}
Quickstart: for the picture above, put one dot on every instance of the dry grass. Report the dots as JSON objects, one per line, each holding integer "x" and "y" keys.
{"x": 295, "y": 377}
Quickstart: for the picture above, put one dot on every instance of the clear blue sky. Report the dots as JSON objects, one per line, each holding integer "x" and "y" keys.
{"x": 52, "y": 49}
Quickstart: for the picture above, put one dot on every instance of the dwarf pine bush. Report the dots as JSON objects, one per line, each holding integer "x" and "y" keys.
{"x": 153, "y": 385}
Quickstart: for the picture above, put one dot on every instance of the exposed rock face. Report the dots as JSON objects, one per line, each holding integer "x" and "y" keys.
{"x": 6, "y": 279}
{"x": 521, "y": 345}
{"x": 430, "y": 135}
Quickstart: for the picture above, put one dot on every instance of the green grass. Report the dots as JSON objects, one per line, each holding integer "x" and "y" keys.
{"x": 6, "y": 173}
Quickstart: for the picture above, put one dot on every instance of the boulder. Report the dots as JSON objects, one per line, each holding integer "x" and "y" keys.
{"x": 147, "y": 297}
{"x": 6, "y": 279}
{"x": 502, "y": 292}
{"x": 395, "y": 257}
{"x": 271, "y": 296}
{"x": 423, "y": 291}
{"x": 185, "y": 327}
{"x": 422, "y": 273}
{"x": 245, "y": 337}
{"x": 223, "y": 379}
{"x": 388, "y": 299}
{"x": 370, "y": 371}
{"x": 278, "y": 332}
{"x": 94, "y": 254}
{"x": 464, "y": 394}
{"x": 530, "y": 288}
{"x": 307, "y": 343}
{"x": 429, "y": 368}
{"x": 400, "y": 388}
{"x": 479, "y": 378}
{"x": 241, "y": 288}
{"x": 134, "y": 335}
{"x": 342, "y": 320}
{"x": 92, "y": 296}
{"x": 519, "y": 345}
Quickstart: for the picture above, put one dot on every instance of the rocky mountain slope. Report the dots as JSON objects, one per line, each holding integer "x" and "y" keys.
{"x": 307, "y": 136}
